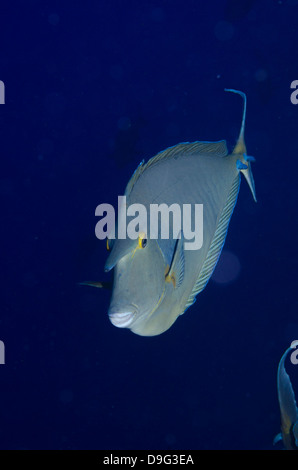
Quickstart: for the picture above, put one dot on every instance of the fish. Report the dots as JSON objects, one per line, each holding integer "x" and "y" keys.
{"x": 157, "y": 280}
{"x": 288, "y": 406}
{"x": 99, "y": 285}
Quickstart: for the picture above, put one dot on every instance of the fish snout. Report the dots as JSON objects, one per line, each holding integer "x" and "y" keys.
{"x": 121, "y": 320}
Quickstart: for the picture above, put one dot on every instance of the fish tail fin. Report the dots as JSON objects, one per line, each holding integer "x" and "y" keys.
{"x": 244, "y": 161}
{"x": 240, "y": 146}
{"x": 243, "y": 165}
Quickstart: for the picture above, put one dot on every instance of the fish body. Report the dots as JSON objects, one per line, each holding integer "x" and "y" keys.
{"x": 288, "y": 407}
{"x": 156, "y": 280}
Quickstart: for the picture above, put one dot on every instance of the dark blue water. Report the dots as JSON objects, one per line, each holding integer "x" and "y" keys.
{"x": 92, "y": 88}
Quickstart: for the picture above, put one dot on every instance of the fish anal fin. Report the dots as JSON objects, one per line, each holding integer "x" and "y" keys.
{"x": 175, "y": 273}
{"x": 216, "y": 244}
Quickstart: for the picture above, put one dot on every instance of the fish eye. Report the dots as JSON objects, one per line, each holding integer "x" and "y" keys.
{"x": 142, "y": 240}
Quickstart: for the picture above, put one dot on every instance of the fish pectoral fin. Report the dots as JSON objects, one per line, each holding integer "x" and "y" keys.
{"x": 99, "y": 285}
{"x": 175, "y": 273}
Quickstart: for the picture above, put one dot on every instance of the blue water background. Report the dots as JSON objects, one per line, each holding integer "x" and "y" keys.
{"x": 92, "y": 88}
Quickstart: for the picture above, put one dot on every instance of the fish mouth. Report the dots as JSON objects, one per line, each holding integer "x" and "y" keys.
{"x": 121, "y": 320}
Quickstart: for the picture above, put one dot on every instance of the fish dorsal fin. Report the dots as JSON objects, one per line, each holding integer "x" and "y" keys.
{"x": 176, "y": 270}
{"x": 216, "y": 244}
{"x": 240, "y": 149}
{"x": 138, "y": 171}
{"x": 218, "y": 149}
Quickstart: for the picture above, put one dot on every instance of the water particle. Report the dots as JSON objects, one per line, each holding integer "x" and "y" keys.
{"x": 228, "y": 268}
{"x": 261, "y": 75}
{"x": 224, "y": 31}
{"x": 53, "y": 19}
